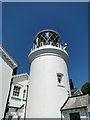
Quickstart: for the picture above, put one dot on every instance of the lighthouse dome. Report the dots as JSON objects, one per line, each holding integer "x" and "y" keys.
{"x": 47, "y": 37}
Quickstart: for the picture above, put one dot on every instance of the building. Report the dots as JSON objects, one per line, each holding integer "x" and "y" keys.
{"x": 49, "y": 82}
{"x": 76, "y": 91}
{"x": 16, "y": 107}
{"x": 13, "y": 87}
{"x": 76, "y": 108}
{"x": 8, "y": 67}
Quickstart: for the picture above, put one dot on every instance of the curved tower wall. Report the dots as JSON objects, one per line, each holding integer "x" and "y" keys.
{"x": 46, "y": 94}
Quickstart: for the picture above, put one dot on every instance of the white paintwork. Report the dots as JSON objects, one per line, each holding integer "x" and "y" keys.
{"x": 45, "y": 96}
{"x": 82, "y": 111}
{"x": 6, "y": 78}
{"x": 21, "y": 80}
{"x": 7, "y": 64}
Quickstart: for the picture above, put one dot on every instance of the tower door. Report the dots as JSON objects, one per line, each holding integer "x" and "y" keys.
{"x": 75, "y": 116}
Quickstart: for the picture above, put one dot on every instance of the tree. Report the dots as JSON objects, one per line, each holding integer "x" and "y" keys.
{"x": 86, "y": 88}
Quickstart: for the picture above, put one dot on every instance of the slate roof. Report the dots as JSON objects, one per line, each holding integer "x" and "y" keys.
{"x": 80, "y": 101}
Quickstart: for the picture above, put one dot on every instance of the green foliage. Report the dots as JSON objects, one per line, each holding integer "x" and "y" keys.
{"x": 86, "y": 88}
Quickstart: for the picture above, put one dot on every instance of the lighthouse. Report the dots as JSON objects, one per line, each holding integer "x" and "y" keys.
{"x": 49, "y": 81}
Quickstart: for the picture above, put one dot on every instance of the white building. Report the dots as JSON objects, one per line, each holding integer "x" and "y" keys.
{"x": 7, "y": 67}
{"x": 76, "y": 108}
{"x": 49, "y": 82}
{"x": 13, "y": 88}
{"x": 18, "y": 96}
{"x": 76, "y": 91}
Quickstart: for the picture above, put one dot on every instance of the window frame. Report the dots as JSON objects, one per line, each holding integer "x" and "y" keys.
{"x": 24, "y": 94}
{"x": 16, "y": 90}
{"x": 10, "y": 117}
{"x": 59, "y": 79}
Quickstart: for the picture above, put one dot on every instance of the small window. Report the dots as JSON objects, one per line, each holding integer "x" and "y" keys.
{"x": 10, "y": 117}
{"x": 24, "y": 92}
{"x": 59, "y": 77}
{"x": 16, "y": 91}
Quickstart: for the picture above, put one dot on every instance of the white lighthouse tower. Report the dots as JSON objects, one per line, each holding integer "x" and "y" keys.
{"x": 49, "y": 82}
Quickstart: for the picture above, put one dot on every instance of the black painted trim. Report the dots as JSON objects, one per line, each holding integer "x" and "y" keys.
{"x": 26, "y": 102}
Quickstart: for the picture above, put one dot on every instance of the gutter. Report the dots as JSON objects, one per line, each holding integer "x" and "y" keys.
{"x": 26, "y": 103}
{"x": 63, "y": 106}
{"x": 74, "y": 108}
{"x": 61, "y": 116}
{"x": 15, "y": 70}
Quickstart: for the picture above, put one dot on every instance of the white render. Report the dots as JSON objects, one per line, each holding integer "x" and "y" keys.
{"x": 45, "y": 96}
{"x": 7, "y": 64}
{"x": 21, "y": 80}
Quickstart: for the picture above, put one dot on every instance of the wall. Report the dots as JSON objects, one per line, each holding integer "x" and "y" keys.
{"x": 18, "y": 101}
{"x": 45, "y": 96}
{"x": 5, "y": 75}
{"x": 82, "y": 111}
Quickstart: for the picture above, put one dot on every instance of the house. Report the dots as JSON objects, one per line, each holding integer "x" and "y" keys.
{"x": 13, "y": 88}
{"x": 8, "y": 67}
{"x": 76, "y": 108}
{"x": 17, "y": 103}
{"x": 76, "y": 91}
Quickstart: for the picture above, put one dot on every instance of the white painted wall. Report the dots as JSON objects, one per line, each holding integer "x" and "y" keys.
{"x": 45, "y": 97}
{"x": 20, "y": 80}
{"x": 5, "y": 75}
{"x": 23, "y": 86}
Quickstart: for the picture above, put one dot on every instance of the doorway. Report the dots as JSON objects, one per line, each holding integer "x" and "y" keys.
{"x": 75, "y": 116}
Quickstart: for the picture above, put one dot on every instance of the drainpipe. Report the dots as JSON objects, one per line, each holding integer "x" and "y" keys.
{"x": 6, "y": 108}
{"x": 26, "y": 102}
{"x": 61, "y": 114}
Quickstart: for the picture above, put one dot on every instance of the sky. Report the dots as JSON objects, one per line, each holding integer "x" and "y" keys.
{"x": 22, "y": 21}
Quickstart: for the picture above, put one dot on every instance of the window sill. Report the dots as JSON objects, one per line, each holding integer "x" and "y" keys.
{"x": 15, "y": 98}
{"x": 61, "y": 86}
{"x": 24, "y": 100}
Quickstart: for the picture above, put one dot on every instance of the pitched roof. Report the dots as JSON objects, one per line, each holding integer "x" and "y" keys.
{"x": 74, "y": 90}
{"x": 76, "y": 102}
{"x": 21, "y": 79}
